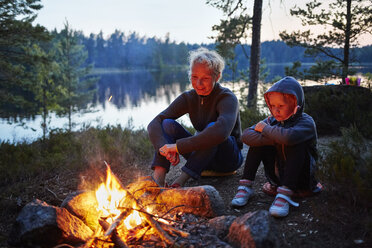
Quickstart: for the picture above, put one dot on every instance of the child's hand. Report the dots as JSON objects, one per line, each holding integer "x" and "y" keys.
{"x": 260, "y": 126}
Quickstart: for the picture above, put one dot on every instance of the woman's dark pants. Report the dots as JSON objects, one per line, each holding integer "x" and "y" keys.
{"x": 225, "y": 157}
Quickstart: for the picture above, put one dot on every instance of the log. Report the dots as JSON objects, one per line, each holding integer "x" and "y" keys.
{"x": 83, "y": 204}
{"x": 114, "y": 236}
{"x": 41, "y": 225}
{"x": 202, "y": 201}
{"x": 254, "y": 230}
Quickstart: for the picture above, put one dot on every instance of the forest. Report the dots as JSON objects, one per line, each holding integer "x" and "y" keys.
{"x": 131, "y": 51}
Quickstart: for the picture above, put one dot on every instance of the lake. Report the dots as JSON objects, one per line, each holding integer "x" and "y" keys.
{"x": 137, "y": 97}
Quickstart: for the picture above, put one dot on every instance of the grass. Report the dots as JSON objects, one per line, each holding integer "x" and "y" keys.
{"x": 72, "y": 151}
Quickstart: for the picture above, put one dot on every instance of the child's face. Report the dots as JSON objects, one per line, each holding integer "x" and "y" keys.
{"x": 281, "y": 107}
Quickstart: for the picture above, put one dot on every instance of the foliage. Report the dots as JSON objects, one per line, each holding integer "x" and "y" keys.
{"x": 76, "y": 89}
{"x": 250, "y": 116}
{"x": 347, "y": 167}
{"x": 336, "y": 106}
{"x": 17, "y": 64}
{"x": 73, "y": 151}
{"x": 343, "y": 22}
{"x": 233, "y": 31}
{"x": 322, "y": 70}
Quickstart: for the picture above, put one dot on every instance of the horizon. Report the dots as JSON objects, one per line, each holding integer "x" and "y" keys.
{"x": 186, "y": 21}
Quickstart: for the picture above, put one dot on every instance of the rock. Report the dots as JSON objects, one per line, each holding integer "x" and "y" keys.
{"x": 201, "y": 200}
{"x": 254, "y": 229}
{"x": 83, "y": 204}
{"x": 41, "y": 225}
{"x": 221, "y": 225}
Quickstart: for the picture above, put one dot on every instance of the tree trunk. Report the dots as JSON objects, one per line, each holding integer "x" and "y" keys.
{"x": 45, "y": 113}
{"x": 345, "y": 67}
{"x": 254, "y": 70}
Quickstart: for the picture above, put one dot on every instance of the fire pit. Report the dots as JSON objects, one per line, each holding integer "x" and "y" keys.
{"x": 141, "y": 214}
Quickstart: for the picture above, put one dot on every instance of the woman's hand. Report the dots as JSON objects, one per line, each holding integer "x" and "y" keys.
{"x": 170, "y": 152}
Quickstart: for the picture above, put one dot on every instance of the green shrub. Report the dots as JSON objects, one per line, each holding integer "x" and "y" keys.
{"x": 336, "y": 106}
{"x": 250, "y": 116}
{"x": 347, "y": 166}
{"x": 73, "y": 151}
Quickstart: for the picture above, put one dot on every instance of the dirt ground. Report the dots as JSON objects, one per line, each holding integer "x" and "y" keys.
{"x": 320, "y": 221}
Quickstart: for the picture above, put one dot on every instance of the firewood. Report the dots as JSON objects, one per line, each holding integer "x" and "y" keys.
{"x": 114, "y": 236}
{"x": 116, "y": 223}
{"x": 174, "y": 230}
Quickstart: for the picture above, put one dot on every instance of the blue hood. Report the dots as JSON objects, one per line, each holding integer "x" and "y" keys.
{"x": 289, "y": 85}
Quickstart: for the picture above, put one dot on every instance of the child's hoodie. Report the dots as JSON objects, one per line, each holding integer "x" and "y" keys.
{"x": 297, "y": 129}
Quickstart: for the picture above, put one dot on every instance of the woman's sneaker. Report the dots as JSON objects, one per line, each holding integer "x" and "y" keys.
{"x": 244, "y": 193}
{"x": 280, "y": 206}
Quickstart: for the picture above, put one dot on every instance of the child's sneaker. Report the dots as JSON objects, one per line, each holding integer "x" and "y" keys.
{"x": 280, "y": 206}
{"x": 244, "y": 193}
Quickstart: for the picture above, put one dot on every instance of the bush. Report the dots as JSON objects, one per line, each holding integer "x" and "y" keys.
{"x": 250, "y": 116}
{"x": 347, "y": 166}
{"x": 336, "y": 106}
{"x": 73, "y": 151}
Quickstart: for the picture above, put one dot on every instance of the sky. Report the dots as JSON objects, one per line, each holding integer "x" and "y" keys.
{"x": 187, "y": 21}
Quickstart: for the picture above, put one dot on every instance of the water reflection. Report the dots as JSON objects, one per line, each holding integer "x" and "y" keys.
{"x": 129, "y": 90}
{"x": 137, "y": 97}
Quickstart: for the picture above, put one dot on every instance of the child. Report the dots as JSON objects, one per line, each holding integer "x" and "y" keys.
{"x": 286, "y": 144}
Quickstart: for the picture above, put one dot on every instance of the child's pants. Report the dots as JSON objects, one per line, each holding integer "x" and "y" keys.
{"x": 225, "y": 157}
{"x": 293, "y": 165}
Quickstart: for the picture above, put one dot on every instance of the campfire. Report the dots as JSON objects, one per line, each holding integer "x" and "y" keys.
{"x": 141, "y": 214}
{"x": 125, "y": 218}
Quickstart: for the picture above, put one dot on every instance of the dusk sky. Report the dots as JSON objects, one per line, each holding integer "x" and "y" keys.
{"x": 185, "y": 20}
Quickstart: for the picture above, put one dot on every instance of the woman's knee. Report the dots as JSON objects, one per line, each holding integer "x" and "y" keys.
{"x": 169, "y": 126}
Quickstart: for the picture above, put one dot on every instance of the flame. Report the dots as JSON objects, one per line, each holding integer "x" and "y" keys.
{"x": 110, "y": 195}
{"x": 133, "y": 220}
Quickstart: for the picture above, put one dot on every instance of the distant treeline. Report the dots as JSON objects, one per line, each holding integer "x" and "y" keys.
{"x": 132, "y": 51}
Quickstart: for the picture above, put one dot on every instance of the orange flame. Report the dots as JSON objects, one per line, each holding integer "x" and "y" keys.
{"x": 110, "y": 197}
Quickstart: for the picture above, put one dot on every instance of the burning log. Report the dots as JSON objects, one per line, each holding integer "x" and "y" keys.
{"x": 115, "y": 236}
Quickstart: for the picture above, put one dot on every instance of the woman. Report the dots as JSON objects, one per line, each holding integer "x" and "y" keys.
{"x": 214, "y": 113}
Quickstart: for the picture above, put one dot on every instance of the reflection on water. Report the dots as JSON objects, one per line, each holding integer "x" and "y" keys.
{"x": 137, "y": 97}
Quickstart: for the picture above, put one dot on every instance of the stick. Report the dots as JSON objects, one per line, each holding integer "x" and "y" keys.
{"x": 172, "y": 230}
{"x": 116, "y": 223}
{"x": 114, "y": 237}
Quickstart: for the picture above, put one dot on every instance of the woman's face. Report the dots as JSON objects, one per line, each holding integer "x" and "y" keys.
{"x": 202, "y": 79}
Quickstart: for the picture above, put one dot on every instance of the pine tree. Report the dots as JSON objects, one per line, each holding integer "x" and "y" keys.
{"x": 234, "y": 30}
{"x": 17, "y": 62}
{"x": 77, "y": 87}
{"x": 343, "y": 22}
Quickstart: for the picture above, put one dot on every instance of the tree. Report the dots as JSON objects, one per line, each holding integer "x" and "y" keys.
{"x": 77, "y": 87}
{"x": 17, "y": 62}
{"x": 235, "y": 34}
{"x": 45, "y": 89}
{"x": 343, "y": 22}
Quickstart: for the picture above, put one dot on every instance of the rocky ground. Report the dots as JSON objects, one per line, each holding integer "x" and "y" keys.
{"x": 321, "y": 221}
